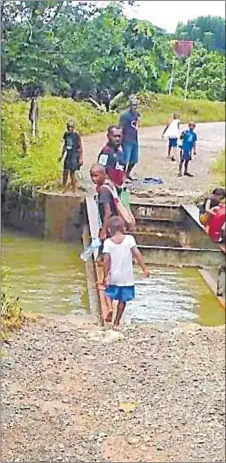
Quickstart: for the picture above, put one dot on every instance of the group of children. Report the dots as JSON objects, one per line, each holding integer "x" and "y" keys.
{"x": 186, "y": 141}
{"x": 118, "y": 247}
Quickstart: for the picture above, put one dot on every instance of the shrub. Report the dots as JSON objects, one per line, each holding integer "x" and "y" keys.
{"x": 11, "y": 313}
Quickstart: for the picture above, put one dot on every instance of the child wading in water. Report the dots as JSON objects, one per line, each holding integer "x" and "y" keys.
{"x": 189, "y": 139}
{"x": 73, "y": 160}
{"x": 119, "y": 251}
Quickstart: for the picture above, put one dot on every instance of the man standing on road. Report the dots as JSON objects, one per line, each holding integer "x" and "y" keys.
{"x": 129, "y": 124}
{"x": 112, "y": 157}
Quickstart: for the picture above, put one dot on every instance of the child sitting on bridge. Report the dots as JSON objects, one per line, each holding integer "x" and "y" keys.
{"x": 211, "y": 205}
{"x": 119, "y": 251}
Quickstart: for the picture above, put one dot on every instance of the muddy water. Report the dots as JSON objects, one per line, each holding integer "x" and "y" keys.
{"x": 48, "y": 277}
{"x": 174, "y": 295}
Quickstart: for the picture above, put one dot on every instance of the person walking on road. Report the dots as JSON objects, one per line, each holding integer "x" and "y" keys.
{"x": 129, "y": 123}
{"x": 171, "y": 132}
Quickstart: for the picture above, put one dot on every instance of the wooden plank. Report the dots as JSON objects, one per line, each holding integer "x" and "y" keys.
{"x": 212, "y": 285}
{"x": 92, "y": 212}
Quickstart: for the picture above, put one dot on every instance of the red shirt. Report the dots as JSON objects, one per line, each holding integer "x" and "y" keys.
{"x": 113, "y": 161}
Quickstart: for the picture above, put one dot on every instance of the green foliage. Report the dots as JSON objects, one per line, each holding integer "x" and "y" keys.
{"x": 64, "y": 47}
{"x": 219, "y": 168}
{"x": 11, "y": 313}
{"x": 207, "y": 75}
{"x": 209, "y": 30}
{"x": 40, "y": 167}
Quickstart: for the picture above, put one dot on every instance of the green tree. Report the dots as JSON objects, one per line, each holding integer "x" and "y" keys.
{"x": 209, "y": 30}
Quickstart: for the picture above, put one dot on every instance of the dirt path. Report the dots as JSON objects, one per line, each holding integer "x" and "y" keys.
{"x": 153, "y": 162}
{"x": 83, "y": 394}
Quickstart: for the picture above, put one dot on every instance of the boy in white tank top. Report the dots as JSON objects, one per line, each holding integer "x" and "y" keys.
{"x": 172, "y": 132}
{"x": 119, "y": 251}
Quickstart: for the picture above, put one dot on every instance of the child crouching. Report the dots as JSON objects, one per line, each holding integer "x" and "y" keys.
{"x": 119, "y": 251}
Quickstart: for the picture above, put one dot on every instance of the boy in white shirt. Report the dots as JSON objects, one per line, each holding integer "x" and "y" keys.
{"x": 119, "y": 251}
{"x": 171, "y": 131}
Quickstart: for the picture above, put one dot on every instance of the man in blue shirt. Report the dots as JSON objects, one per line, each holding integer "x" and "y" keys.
{"x": 129, "y": 124}
{"x": 189, "y": 139}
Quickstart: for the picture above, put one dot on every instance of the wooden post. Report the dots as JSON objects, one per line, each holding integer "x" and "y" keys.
{"x": 172, "y": 75}
{"x": 33, "y": 116}
{"x": 187, "y": 78}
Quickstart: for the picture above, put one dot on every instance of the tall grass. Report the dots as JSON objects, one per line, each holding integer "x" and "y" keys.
{"x": 40, "y": 166}
{"x": 219, "y": 168}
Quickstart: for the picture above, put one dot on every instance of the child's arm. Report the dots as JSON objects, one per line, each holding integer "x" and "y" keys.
{"x": 139, "y": 258}
{"x": 165, "y": 129}
{"x": 181, "y": 135}
{"x": 210, "y": 210}
{"x": 64, "y": 149}
{"x": 107, "y": 266}
{"x": 80, "y": 151}
{"x": 194, "y": 149}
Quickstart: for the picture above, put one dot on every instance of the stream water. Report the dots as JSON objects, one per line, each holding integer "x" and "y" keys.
{"x": 49, "y": 277}
{"x": 174, "y": 295}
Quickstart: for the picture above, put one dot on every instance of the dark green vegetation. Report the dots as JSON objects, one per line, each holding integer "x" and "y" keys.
{"x": 70, "y": 48}
{"x": 208, "y": 30}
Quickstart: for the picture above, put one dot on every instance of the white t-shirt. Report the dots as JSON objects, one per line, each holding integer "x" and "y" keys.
{"x": 173, "y": 129}
{"x": 121, "y": 271}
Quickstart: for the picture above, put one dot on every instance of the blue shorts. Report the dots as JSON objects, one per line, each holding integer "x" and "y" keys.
{"x": 120, "y": 293}
{"x": 185, "y": 155}
{"x": 130, "y": 150}
{"x": 173, "y": 142}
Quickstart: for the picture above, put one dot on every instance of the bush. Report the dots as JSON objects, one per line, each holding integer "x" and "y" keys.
{"x": 11, "y": 313}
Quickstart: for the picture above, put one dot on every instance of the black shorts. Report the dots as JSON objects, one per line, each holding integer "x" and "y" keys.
{"x": 71, "y": 164}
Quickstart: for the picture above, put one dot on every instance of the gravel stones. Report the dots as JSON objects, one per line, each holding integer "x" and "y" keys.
{"x": 62, "y": 388}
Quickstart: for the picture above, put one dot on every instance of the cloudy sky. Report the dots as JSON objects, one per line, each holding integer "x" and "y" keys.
{"x": 167, "y": 14}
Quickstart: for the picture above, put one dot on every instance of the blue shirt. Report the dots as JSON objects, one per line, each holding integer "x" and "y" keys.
{"x": 189, "y": 140}
{"x": 129, "y": 124}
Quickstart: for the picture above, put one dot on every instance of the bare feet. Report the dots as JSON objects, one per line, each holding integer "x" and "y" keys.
{"x": 108, "y": 318}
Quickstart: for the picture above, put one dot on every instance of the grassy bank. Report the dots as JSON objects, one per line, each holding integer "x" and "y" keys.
{"x": 219, "y": 168}
{"x": 40, "y": 166}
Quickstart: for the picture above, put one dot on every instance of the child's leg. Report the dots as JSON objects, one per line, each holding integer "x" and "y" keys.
{"x": 65, "y": 178}
{"x": 186, "y": 169}
{"x": 109, "y": 304}
{"x": 180, "y": 167}
{"x": 120, "y": 310}
{"x": 169, "y": 148}
{"x": 174, "y": 152}
{"x": 74, "y": 181}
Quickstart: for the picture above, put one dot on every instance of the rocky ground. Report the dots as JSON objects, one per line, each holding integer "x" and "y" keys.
{"x": 154, "y": 163}
{"x": 80, "y": 393}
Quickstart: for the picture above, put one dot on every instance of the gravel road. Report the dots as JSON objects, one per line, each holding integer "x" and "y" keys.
{"x": 79, "y": 393}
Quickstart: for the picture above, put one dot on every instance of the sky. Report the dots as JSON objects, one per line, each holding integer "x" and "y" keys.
{"x": 166, "y": 14}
